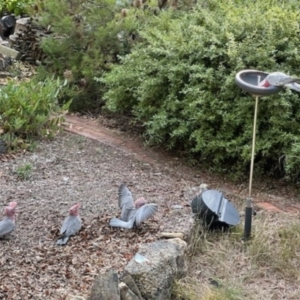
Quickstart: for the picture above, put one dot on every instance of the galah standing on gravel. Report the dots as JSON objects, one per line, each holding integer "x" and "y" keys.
{"x": 7, "y": 225}
{"x": 132, "y": 213}
{"x": 281, "y": 79}
{"x": 71, "y": 225}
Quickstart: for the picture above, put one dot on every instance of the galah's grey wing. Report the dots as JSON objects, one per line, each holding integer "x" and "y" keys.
{"x": 280, "y": 79}
{"x": 145, "y": 212}
{"x": 125, "y": 202}
{"x": 6, "y": 226}
{"x": 294, "y": 86}
{"x": 71, "y": 225}
{"x": 115, "y": 222}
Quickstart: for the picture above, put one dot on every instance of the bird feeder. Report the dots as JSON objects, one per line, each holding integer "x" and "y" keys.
{"x": 248, "y": 80}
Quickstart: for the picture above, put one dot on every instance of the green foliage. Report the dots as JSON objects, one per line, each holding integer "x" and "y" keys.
{"x": 180, "y": 81}
{"x": 24, "y": 171}
{"x": 87, "y": 38}
{"x": 15, "y": 6}
{"x": 30, "y": 110}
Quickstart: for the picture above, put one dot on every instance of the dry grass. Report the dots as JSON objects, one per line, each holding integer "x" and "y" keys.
{"x": 266, "y": 267}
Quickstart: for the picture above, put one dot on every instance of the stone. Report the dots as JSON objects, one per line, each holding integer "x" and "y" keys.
{"x": 9, "y": 52}
{"x": 171, "y": 235}
{"x": 75, "y": 298}
{"x": 126, "y": 293}
{"x": 106, "y": 287}
{"x": 156, "y": 266}
{"x": 127, "y": 279}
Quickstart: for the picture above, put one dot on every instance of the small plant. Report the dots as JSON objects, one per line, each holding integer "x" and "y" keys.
{"x": 30, "y": 110}
{"x": 24, "y": 171}
{"x": 15, "y": 6}
{"x": 88, "y": 38}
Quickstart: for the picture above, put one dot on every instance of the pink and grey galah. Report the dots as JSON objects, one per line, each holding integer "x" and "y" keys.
{"x": 7, "y": 225}
{"x": 132, "y": 213}
{"x": 71, "y": 225}
{"x": 13, "y": 204}
{"x": 281, "y": 79}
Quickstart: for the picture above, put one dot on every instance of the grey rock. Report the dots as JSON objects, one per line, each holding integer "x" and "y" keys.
{"x": 132, "y": 285}
{"x": 75, "y": 298}
{"x": 106, "y": 287}
{"x": 9, "y": 52}
{"x": 156, "y": 266}
{"x": 126, "y": 293}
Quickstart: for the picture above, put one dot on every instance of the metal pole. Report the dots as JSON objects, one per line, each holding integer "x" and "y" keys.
{"x": 248, "y": 219}
{"x": 249, "y": 208}
{"x": 253, "y": 146}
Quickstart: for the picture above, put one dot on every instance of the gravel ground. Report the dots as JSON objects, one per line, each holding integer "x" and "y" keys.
{"x": 65, "y": 171}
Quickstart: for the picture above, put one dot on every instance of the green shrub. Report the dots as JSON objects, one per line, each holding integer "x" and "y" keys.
{"x": 15, "y": 6}
{"x": 30, "y": 110}
{"x": 87, "y": 38}
{"x": 180, "y": 82}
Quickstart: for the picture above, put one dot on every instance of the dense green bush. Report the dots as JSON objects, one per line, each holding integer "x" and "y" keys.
{"x": 87, "y": 38}
{"x": 30, "y": 110}
{"x": 179, "y": 81}
{"x": 15, "y": 6}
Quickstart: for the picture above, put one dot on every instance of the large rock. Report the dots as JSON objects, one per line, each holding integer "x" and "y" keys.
{"x": 9, "y": 52}
{"x": 126, "y": 293}
{"x": 156, "y": 266}
{"x": 106, "y": 287}
{"x": 127, "y": 279}
{"x": 75, "y": 298}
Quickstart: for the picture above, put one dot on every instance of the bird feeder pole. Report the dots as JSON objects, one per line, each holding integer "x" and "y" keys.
{"x": 253, "y": 141}
{"x": 249, "y": 208}
{"x": 249, "y": 81}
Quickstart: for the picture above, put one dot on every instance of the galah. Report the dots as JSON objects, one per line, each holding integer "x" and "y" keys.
{"x": 7, "y": 225}
{"x": 281, "y": 79}
{"x": 132, "y": 213}
{"x": 71, "y": 225}
{"x": 12, "y": 204}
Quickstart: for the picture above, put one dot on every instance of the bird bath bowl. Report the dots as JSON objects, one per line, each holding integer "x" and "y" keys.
{"x": 248, "y": 81}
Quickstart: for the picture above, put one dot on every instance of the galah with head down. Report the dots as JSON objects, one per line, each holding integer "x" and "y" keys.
{"x": 7, "y": 225}
{"x": 281, "y": 79}
{"x": 71, "y": 225}
{"x": 132, "y": 213}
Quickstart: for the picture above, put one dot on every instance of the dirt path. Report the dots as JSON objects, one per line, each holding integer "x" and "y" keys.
{"x": 273, "y": 196}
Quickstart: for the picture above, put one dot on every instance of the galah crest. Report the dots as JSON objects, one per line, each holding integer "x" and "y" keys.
{"x": 132, "y": 213}
{"x": 281, "y": 79}
{"x": 7, "y": 225}
{"x": 12, "y": 204}
{"x": 71, "y": 225}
